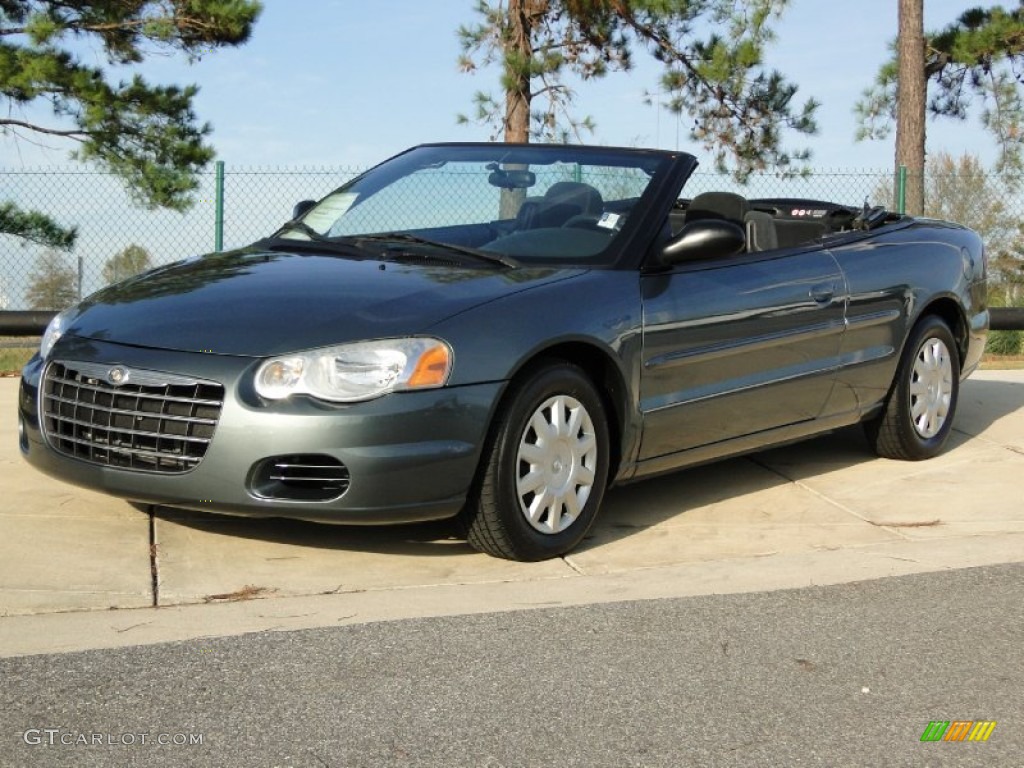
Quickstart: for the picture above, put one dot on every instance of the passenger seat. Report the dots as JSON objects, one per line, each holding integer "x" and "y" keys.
{"x": 724, "y": 206}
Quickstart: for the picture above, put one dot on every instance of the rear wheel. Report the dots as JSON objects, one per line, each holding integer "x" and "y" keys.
{"x": 918, "y": 415}
{"x": 544, "y": 470}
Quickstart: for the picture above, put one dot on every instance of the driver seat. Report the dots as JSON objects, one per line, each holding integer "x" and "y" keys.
{"x": 562, "y": 201}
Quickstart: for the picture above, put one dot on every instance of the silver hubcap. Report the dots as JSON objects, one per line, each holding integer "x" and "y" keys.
{"x": 931, "y": 388}
{"x": 556, "y": 462}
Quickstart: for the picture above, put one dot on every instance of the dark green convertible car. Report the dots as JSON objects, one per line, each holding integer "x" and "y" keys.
{"x": 499, "y": 332}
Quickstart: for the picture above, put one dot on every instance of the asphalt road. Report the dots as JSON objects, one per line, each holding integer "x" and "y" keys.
{"x": 846, "y": 675}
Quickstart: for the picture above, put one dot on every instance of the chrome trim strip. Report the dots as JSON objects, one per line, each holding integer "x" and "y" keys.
{"x": 873, "y": 318}
{"x": 727, "y": 348}
{"x": 136, "y": 376}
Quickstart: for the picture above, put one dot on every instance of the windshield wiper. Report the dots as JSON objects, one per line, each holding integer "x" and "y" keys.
{"x": 405, "y": 237}
{"x": 316, "y": 242}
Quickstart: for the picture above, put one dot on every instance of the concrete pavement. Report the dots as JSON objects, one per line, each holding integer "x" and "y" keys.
{"x": 81, "y": 570}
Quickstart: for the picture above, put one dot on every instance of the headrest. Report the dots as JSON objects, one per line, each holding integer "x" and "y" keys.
{"x": 575, "y": 193}
{"x": 718, "y": 205}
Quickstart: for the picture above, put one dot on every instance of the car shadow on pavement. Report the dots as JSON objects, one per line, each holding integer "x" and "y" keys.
{"x": 434, "y": 538}
{"x": 627, "y": 509}
{"x": 722, "y": 492}
{"x": 984, "y": 402}
{"x": 741, "y": 492}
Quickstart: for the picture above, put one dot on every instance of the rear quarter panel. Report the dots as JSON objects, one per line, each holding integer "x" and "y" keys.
{"x": 894, "y": 276}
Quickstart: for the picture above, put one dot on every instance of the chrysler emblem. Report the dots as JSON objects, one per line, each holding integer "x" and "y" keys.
{"x": 117, "y": 376}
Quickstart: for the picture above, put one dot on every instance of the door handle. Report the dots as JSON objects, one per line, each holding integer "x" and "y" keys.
{"x": 823, "y": 292}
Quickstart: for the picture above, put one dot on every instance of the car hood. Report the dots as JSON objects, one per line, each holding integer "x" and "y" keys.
{"x": 259, "y": 303}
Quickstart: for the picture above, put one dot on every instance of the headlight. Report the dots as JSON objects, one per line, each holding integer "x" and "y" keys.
{"x": 53, "y": 332}
{"x": 352, "y": 372}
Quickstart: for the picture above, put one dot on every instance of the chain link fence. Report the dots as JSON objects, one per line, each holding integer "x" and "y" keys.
{"x": 256, "y": 202}
{"x": 111, "y": 227}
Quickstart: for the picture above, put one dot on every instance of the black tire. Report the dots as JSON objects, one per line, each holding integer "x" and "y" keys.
{"x": 918, "y": 414}
{"x": 571, "y": 467}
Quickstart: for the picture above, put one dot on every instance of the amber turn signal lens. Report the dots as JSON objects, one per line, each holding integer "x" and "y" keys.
{"x": 432, "y": 368}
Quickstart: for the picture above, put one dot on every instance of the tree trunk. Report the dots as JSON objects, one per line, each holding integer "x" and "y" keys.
{"x": 518, "y": 51}
{"x": 522, "y": 15}
{"x": 910, "y": 102}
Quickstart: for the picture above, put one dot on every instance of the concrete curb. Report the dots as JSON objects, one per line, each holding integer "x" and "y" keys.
{"x": 816, "y": 513}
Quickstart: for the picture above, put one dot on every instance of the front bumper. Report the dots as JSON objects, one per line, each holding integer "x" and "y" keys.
{"x": 410, "y": 456}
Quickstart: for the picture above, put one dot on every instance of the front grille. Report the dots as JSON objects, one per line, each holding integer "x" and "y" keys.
{"x": 152, "y": 421}
{"x": 300, "y": 477}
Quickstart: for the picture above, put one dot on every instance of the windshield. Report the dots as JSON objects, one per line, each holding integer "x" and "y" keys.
{"x": 531, "y": 204}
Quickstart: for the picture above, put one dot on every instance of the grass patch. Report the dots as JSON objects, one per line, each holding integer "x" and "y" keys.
{"x": 13, "y": 359}
{"x": 992, "y": 362}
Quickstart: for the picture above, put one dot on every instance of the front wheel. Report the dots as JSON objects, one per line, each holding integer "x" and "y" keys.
{"x": 918, "y": 415}
{"x": 544, "y": 469}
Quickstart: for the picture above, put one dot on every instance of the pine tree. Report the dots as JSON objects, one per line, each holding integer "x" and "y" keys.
{"x": 973, "y": 60}
{"x": 146, "y": 134}
{"x": 740, "y": 109}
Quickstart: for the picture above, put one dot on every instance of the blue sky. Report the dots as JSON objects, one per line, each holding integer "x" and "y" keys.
{"x": 350, "y": 82}
{"x": 330, "y": 84}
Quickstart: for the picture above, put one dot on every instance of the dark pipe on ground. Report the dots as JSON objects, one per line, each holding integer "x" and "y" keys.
{"x": 24, "y": 323}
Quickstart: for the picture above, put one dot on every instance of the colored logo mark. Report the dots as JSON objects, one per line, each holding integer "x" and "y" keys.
{"x": 958, "y": 730}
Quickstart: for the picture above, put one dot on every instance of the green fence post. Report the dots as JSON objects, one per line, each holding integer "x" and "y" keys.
{"x": 218, "y": 224}
{"x": 901, "y": 191}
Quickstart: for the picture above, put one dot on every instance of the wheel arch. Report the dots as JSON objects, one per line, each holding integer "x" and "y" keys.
{"x": 952, "y": 314}
{"x": 893, "y": 431}
{"x": 607, "y": 376}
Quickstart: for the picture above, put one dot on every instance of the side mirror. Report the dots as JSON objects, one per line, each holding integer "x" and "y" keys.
{"x": 704, "y": 239}
{"x": 301, "y": 207}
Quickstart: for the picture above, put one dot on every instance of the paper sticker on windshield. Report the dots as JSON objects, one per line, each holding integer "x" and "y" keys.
{"x": 609, "y": 220}
{"x": 329, "y": 210}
